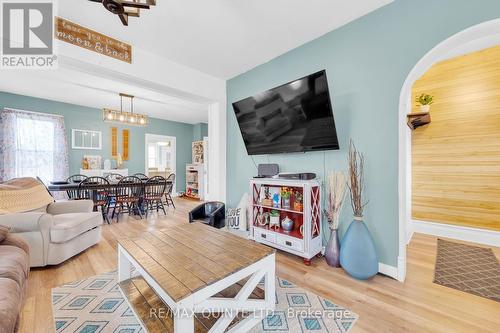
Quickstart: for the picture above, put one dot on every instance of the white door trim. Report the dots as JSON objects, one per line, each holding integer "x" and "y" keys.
{"x": 475, "y": 235}
{"x": 468, "y": 40}
{"x": 161, "y": 137}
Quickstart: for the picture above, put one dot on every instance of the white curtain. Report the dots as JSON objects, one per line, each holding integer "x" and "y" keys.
{"x": 33, "y": 145}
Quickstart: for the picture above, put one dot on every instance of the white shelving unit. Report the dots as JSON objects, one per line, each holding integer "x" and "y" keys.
{"x": 305, "y": 240}
{"x": 194, "y": 181}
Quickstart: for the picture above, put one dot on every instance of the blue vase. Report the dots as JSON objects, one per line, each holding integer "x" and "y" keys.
{"x": 358, "y": 256}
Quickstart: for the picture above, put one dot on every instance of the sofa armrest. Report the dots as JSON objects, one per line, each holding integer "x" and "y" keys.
{"x": 197, "y": 213}
{"x": 16, "y": 241}
{"x": 219, "y": 211}
{"x": 26, "y": 222}
{"x": 73, "y": 206}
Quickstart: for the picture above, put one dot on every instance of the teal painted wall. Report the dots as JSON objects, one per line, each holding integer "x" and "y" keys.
{"x": 200, "y": 130}
{"x": 91, "y": 119}
{"x": 367, "y": 62}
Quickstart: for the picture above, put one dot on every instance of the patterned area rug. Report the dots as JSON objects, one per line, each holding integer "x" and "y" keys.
{"x": 471, "y": 269}
{"x": 95, "y": 305}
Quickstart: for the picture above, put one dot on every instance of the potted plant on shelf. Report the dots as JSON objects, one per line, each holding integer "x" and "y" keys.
{"x": 336, "y": 191}
{"x": 267, "y": 201}
{"x": 425, "y": 102}
{"x": 298, "y": 198}
{"x": 286, "y": 193}
{"x": 358, "y": 255}
{"x": 274, "y": 219}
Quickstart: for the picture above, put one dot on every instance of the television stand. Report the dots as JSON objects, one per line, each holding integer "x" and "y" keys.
{"x": 305, "y": 238}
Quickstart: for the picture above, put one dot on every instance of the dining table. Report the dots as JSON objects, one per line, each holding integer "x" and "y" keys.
{"x": 63, "y": 186}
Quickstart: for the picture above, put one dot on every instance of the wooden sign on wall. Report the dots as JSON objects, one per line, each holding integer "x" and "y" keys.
{"x": 75, "y": 34}
{"x": 114, "y": 142}
{"x": 125, "y": 140}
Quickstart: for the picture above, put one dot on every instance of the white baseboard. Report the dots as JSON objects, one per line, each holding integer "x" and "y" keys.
{"x": 390, "y": 271}
{"x": 481, "y": 236}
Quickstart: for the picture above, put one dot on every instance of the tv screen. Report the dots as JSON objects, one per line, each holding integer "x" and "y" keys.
{"x": 294, "y": 117}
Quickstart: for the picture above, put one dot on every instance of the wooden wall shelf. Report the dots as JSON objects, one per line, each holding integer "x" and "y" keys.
{"x": 418, "y": 119}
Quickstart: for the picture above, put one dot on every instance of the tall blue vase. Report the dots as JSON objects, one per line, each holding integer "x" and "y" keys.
{"x": 358, "y": 256}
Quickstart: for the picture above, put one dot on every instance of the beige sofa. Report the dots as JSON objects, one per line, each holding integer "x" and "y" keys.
{"x": 57, "y": 232}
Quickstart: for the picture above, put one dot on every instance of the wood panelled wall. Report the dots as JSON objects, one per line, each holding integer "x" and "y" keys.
{"x": 456, "y": 158}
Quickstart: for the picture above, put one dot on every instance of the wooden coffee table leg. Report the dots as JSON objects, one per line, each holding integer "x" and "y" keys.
{"x": 183, "y": 323}
{"x": 124, "y": 266}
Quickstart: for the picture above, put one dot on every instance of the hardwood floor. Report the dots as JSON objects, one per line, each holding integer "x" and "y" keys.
{"x": 383, "y": 304}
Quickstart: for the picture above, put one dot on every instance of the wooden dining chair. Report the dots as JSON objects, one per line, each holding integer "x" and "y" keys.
{"x": 168, "y": 190}
{"x": 127, "y": 194}
{"x": 96, "y": 189}
{"x": 141, "y": 176}
{"x": 75, "y": 179}
{"x": 154, "y": 189}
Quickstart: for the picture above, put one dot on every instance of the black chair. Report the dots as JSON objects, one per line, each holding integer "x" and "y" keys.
{"x": 154, "y": 189}
{"x": 96, "y": 189}
{"x": 75, "y": 179}
{"x": 211, "y": 213}
{"x": 127, "y": 194}
{"x": 168, "y": 190}
{"x": 141, "y": 176}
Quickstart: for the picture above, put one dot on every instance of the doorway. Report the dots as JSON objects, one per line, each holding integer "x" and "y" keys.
{"x": 160, "y": 151}
{"x": 472, "y": 39}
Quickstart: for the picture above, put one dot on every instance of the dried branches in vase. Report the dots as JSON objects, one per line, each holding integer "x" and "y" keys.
{"x": 356, "y": 180}
{"x": 336, "y": 190}
{"x": 358, "y": 256}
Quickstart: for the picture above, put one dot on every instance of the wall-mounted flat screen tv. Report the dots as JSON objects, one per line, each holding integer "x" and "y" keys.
{"x": 294, "y": 117}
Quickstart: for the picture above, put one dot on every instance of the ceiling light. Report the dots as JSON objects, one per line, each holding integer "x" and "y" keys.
{"x": 126, "y": 8}
{"x": 129, "y": 118}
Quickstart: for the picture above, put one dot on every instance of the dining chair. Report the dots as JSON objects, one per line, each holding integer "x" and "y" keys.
{"x": 75, "y": 179}
{"x": 127, "y": 194}
{"x": 154, "y": 189}
{"x": 168, "y": 190}
{"x": 141, "y": 176}
{"x": 96, "y": 189}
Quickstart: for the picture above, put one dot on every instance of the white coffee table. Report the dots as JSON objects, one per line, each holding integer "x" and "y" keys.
{"x": 194, "y": 269}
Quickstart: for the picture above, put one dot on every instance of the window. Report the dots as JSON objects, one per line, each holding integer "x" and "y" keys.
{"x": 33, "y": 145}
{"x": 152, "y": 155}
{"x": 85, "y": 139}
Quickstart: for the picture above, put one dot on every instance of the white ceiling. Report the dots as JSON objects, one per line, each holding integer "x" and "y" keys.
{"x": 75, "y": 87}
{"x": 223, "y": 38}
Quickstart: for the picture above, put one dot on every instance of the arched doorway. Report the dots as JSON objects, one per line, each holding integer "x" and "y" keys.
{"x": 469, "y": 40}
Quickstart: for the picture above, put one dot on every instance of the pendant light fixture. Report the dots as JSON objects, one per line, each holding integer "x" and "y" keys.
{"x": 128, "y": 118}
{"x": 126, "y": 8}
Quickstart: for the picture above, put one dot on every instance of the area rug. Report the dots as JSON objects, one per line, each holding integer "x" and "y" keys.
{"x": 95, "y": 305}
{"x": 468, "y": 268}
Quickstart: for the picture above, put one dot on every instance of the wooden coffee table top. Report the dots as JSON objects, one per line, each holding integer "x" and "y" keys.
{"x": 184, "y": 259}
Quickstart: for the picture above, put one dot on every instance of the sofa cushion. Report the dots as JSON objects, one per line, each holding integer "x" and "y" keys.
{"x": 4, "y": 231}
{"x": 14, "y": 264}
{"x": 68, "y": 226}
{"x": 17, "y": 241}
{"x": 11, "y": 296}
